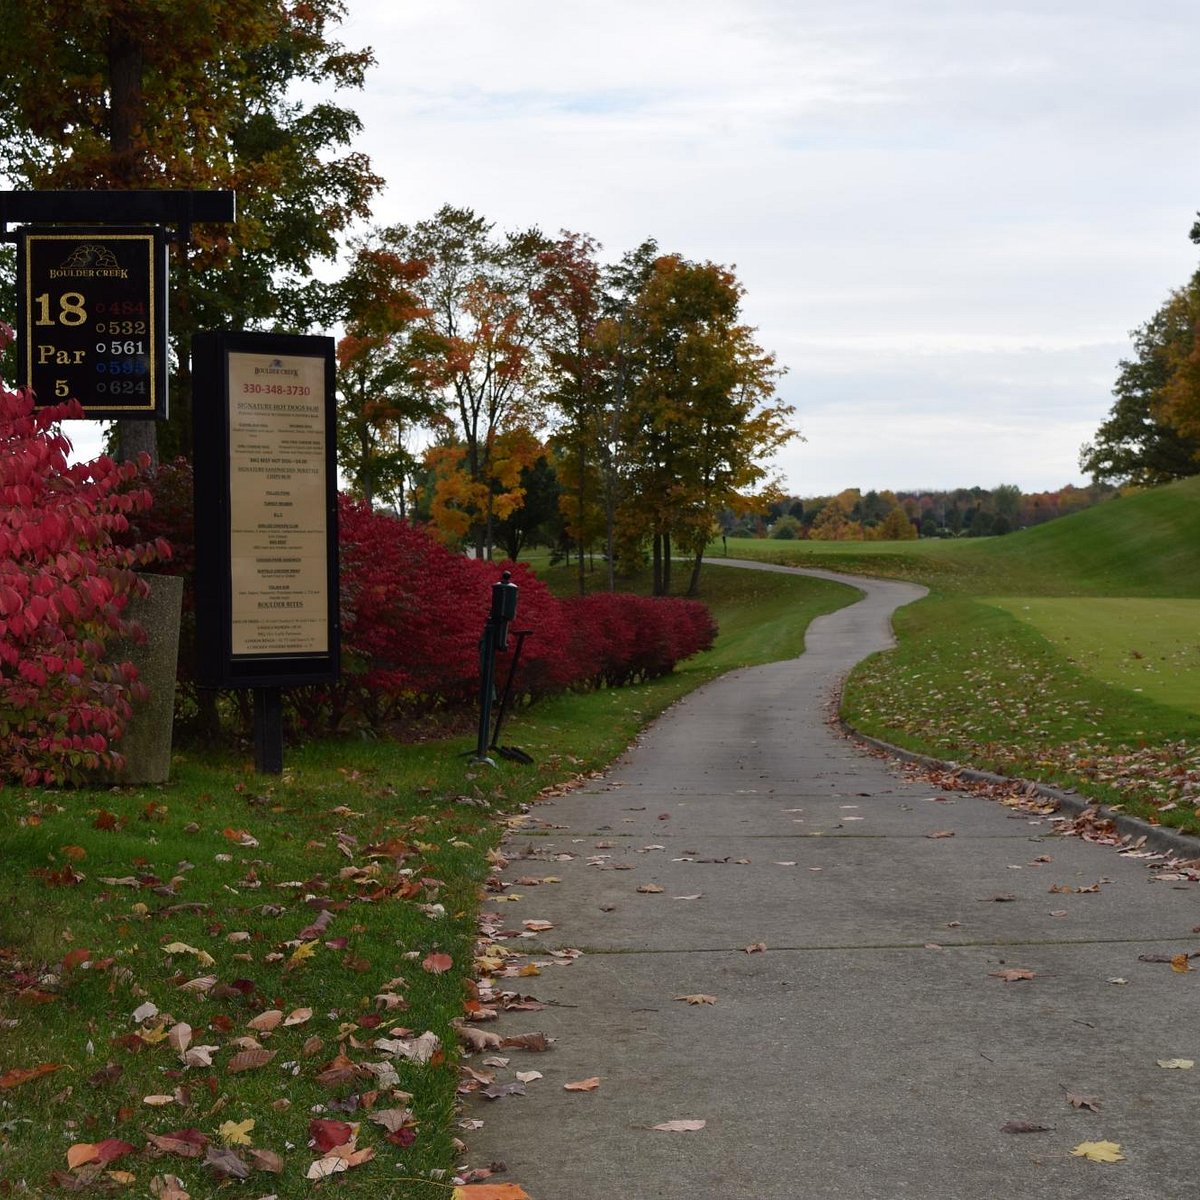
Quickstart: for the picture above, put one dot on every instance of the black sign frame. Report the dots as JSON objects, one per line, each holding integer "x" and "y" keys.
{"x": 256, "y": 440}
{"x": 92, "y": 324}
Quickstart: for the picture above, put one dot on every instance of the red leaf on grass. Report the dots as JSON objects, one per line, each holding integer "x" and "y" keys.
{"x": 20, "y": 1075}
{"x": 437, "y": 964}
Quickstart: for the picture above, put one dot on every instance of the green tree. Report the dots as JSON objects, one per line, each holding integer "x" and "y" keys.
{"x": 570, "y": 300}
{"x": 200, "y": 95}
{"x": 1139, "y": 442}
{"x": 701, "y": 416}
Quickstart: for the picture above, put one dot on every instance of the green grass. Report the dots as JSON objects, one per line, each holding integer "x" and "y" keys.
{"x": 1085, "y": 674}
{"x": 1146, "y": 646}
{"x": 233, "y": 871}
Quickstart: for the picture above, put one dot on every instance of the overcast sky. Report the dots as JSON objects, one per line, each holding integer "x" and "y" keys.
{"x": 947, "y": 214}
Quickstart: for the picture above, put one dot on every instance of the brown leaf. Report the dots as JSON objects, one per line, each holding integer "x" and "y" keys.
{"x": 583, "y": 1085}
{"x": 1024, "y": 1127}
{"x": 187, "y": 1143}
{"x": 201, "y": 984}
{"x": 1091, "y": 1103}
{"x": 649, "y": 888}
{"x": 225, "y": 1163}
{"x": 528, "y": 1041}
{"x": 1012, "y": 974}
{"x": 698, "y": 998}
{"x": 490, "y": 1191}
{"x": 436, "y": 963}
{"x": 249, "y": 1060}
{"x": 940, "y": 833}
{"x": 679, "y": 1126}
{"x": 298, "y": 1016}
{"x": 19, "y": 1075}
{"x": 265, "y": 1021}
{"x": 756, "y": 947}
{"x": 168, "y": 1187}
{"x": 538, "y": 926}
{"x": 266, "y": 1160}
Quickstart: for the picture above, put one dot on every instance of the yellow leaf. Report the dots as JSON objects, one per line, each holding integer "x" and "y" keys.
{"x": 236, "y": 1133}
{"x": 154, "y": 1035}
{"x": 1104, "y": 1152}
{"x": 122, "y": 1177}
{"x": 303, "y": 951}
{"x": 202, "y": 956}
{"x": 1180, "y": 963}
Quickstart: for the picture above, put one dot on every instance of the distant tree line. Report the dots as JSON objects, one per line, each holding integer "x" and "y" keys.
{"x": 853, "y": 515}
{"x": 1152, "y": 432}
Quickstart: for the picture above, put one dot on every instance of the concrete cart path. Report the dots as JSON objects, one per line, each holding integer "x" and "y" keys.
{"x": 871, "y": 1050}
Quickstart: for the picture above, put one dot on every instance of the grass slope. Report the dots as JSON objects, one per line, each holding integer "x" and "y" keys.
{"x": 1067, "y": 652}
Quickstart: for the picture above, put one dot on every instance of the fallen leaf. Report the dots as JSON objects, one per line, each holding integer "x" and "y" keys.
{"x": 649, "y": 888}
{"x": 101, "y": 1153}
{"x": 20, "y": 1075}
{"x": 528, "y": 1041}
{"x": 1103, "y": 1152}
{"x": 490, "y": 1191}
{"x": 325, "y": 1135}
{"x": 298, "y": 1016}
{"x": 940, "y": 833}
{"x": 249, "y": 1060}
{"x": 1024, "y": 1127}
{"x": 1012, "y": 974}
{"x": 187, "y": 1143}
{"x": 1176, "y": 1064}
{"x": 756, "y": 947}
{"x": 698, "y": 998}
{"x": 226, "y": 1163}
{"x": 1180, "y": 963}
{"x": 1091, "y": 1103}
{"x": 538, "y": 926}
{"x": 679, "y": 1126}
{"x": 437, "y": 964}
{"x": 180, "y": 1036}
{"x": 203, "y": 983}
{"x": 168, "y": 1187}
{"x": 302, "y": 952}
{"x": 158, "y": 1101}
{"x": 236, "y": 1133}
{"x": 202, "y": 956}
{"x": 265, "y": 1021}
{"x": 266, "y": 1160}
{"x": 529, "y": 1076}
{"x": 583, "y": 1085}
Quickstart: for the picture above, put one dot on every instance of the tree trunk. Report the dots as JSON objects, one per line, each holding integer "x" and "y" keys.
{"x": 656, "y": 587}
{"x": 125, "y": 67}
{"x": 666, "y": 565}
{"x": 694, "y": 581}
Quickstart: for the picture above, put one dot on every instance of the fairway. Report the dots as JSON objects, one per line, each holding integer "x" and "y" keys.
{"x": 1146, "y": 646}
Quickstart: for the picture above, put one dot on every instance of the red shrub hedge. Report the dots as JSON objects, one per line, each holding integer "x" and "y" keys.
{"x": 413, "y": 612}
{"x": 63, "y": 585}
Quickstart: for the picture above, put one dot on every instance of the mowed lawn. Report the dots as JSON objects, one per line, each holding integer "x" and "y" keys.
{"x": 1146, "y": 646}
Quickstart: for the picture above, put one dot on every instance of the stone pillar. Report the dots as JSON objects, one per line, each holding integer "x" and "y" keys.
{"x": 147, "y": 741}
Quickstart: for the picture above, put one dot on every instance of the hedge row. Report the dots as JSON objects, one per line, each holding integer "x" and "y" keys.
{"x": 412, "y": 616}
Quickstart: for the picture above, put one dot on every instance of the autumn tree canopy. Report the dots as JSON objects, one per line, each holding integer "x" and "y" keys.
{"x": 162, "y": 94}
{"x": 1152, "y": 432}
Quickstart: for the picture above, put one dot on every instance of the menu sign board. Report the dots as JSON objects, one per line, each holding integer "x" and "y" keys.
{"x": 93, "y": 320}
{"x": 266, "y": 573}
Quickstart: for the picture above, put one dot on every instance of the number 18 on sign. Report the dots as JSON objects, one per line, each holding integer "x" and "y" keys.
{"x": 93, "y": 322}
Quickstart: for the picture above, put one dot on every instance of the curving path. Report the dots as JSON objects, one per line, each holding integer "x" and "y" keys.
{"x": 869, "y": 1051}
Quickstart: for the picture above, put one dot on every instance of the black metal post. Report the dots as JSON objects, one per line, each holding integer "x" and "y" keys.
{"x": 487, "y": 684}
{"x": 268, "y": 730}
